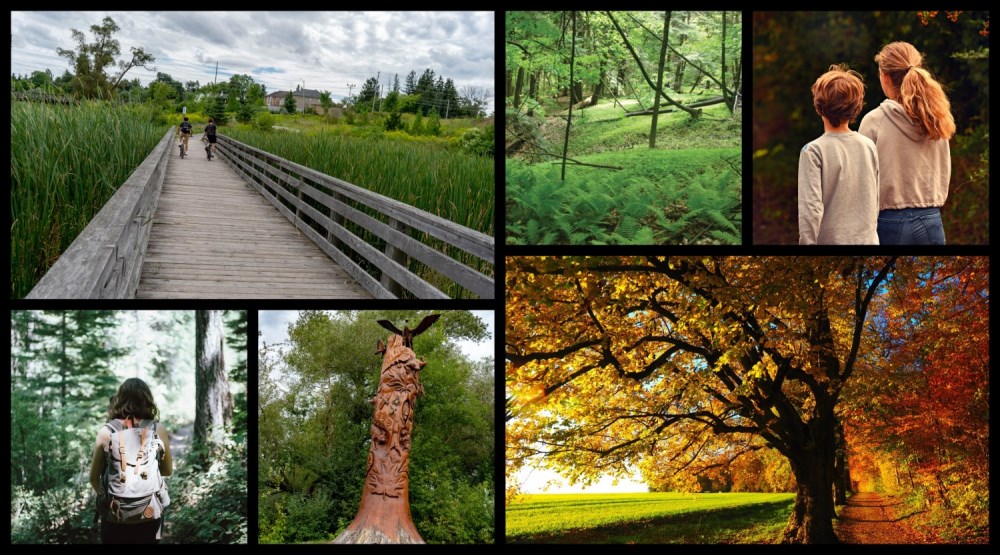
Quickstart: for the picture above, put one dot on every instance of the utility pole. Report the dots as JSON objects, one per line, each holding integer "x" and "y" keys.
{"x": 216, "y": 73}
{"x": 446, "y": 108}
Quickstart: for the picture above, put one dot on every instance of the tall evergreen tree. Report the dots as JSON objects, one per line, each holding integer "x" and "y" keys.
{"x": 368, "y": 94}
{"x": 395, "y": 82}
{"x": 411, "y": 83}
{"x": 289, "y": 104}
{"x": 451, "y": 101}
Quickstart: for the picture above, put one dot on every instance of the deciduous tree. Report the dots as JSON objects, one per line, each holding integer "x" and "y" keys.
{"x": 615, "y": 360}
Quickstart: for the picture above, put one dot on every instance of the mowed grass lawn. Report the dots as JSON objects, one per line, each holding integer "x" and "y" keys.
{"x": 649, "y": 518}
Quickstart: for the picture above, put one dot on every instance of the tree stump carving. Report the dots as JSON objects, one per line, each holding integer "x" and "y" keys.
{"x": 384, "y": 514}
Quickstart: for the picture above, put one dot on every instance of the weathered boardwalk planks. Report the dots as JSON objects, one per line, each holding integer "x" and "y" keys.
{"x": 214, "y": 236}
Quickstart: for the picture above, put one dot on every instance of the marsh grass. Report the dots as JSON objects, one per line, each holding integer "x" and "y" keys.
{"x": 66, "y": 162}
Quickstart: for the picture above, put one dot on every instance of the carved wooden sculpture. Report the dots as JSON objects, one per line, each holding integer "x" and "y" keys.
{"x": 384, "y": 515}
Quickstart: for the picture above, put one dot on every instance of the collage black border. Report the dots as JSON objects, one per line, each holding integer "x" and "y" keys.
{"x": 253, "y": 307}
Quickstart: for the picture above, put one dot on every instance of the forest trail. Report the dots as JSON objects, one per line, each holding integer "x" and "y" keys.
{"x": 180, "y": 440}
{"x": 874, "y": 518}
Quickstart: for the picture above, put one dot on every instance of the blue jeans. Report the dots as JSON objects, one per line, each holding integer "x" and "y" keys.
{"x": 910, "y": 226}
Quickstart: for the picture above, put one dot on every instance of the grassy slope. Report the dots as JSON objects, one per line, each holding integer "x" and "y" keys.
{"x": 686, "y": 149}
{"x": 649, "y": 518}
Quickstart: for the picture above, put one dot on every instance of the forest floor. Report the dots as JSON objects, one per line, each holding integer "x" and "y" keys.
{"x": 875, "y": 518}
{"x": 686, "y": 190}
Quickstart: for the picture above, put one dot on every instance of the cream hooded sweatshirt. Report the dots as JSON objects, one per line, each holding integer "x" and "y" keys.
{"x": 914, "y": 171}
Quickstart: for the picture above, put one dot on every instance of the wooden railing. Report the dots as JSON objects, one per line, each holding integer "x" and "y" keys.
{"x": 105, "y": 260}
{"x": 392, "y": 249}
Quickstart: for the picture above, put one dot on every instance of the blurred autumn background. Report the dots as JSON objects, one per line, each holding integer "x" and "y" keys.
{"x": 791, "y": 49}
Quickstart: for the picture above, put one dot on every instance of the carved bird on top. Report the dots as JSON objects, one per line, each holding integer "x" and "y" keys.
{"x": 407, "y": 334}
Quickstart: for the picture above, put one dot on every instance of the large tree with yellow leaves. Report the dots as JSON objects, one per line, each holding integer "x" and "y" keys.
{"x": 613, "y": 362}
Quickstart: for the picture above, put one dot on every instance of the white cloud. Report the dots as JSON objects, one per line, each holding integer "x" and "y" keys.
{"x": 273, "y": 325}
{"x": 325, "y": 50}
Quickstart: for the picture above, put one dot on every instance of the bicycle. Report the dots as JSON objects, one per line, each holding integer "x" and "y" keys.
{"x": 183, "y": 143}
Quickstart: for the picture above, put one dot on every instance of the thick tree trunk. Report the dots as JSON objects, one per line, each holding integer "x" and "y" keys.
{"x": 213, "y": 402}
{"x": 812, "y": 462}
{"x": 841, "y": 482}
{"x": 812, "y": 517}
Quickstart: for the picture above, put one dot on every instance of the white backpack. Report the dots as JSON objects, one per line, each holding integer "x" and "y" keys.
{"x": 132, "y": 489}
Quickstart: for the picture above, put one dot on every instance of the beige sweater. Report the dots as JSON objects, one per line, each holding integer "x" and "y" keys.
{"x": 838, "y": 191}
{"x": 914, "y": 171}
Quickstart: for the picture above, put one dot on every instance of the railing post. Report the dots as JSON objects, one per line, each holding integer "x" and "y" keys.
{"x": 338, "y": 219}
{"x": 397, "y": 256}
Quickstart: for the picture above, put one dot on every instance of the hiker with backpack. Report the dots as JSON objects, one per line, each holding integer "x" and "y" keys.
{"x": 210, "y": 133}
{"x": 184, "y": 133}
{"x": 131, "y": 457}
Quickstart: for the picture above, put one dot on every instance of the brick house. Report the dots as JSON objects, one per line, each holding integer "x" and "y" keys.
{"x": 303, "y": 99}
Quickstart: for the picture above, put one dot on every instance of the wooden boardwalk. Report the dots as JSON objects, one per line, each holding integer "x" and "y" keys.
{"x": 213, "y": 236}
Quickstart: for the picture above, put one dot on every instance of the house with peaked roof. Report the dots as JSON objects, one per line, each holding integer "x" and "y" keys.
{"x": 304, "y": 98}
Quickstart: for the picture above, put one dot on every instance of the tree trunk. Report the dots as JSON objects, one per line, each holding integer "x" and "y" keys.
{"x": 63, "y": 361}
{"x": 700, "y": 103}
{"x": 213, "y": 402}
{"x": 659, "y": 79}
{"x": 518, "y": 87}
{"x": 598, "y": 91}
{"x": 812, "y": 517}
{"x": 724, "y": 60}
{"x": 569, "y": 118}
{"x": 384, "y": 515}
{"x": 841, "y": 483}
{"x": 532, "y": 89}
{"x": 577, "y": 92}
{"x": 510, "y": 88}
{"x": 694, "y": 113}
{"x": 621, "y": 79}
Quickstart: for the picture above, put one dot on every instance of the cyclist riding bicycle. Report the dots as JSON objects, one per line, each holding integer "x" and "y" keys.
{"x": 210, "y": 130}
{"x": 184, "y": 133}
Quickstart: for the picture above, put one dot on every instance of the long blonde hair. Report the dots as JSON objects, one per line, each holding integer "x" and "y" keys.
{"x": 921, "y": 96}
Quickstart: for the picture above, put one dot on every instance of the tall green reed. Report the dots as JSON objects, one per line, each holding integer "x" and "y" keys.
{"x": 66, "y": 162}
{"x": 444, "y": 182}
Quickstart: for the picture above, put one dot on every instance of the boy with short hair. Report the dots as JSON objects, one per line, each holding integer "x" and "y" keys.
{"x": 838, "y": 172}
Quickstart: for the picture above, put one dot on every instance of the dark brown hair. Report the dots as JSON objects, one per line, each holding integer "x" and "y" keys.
{"x": 133, "y": 399}
{"x": 839, "y": 94}
{"x": 917, "y": 92}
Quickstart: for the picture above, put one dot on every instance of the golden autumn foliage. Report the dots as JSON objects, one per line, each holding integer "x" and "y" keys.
{"x": 730, "y": 373}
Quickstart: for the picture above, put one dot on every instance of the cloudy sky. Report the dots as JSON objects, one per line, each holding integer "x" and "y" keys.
{"x": 273, "y": 325}
{"x": 323, "y": 50}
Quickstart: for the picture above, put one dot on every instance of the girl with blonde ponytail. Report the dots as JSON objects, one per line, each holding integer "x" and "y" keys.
{"x": 911, "y": 129}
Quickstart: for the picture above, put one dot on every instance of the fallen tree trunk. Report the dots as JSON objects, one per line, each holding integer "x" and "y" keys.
{"x": 700, "y": 103}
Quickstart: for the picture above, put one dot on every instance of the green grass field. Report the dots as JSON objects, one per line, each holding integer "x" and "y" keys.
{"x": 649, "y": 518}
